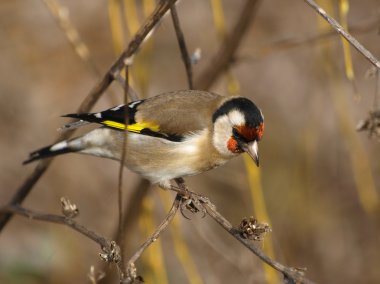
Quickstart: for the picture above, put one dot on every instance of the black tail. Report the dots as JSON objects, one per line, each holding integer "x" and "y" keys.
{"x": 49, "y": 151}
{"x": 90, "y": 117}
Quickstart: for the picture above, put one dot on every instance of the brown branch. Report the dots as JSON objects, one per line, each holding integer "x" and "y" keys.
{"x": 58, "y": 219}
{"x": 336, "y": 26}
{"x": 110, "y": 248}
{"x": 182, "y": 47}
{"x": 289, "y": 273}
{"x": 226, "y": 53}
{"x": 90, "y": 100}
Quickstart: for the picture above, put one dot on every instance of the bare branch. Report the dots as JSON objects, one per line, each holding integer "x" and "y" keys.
{"x": 58, "y": 219}
{"x": 90, "y": 100}
{"x": 289, "y": 273}
{"x": 182, "y": 47}
{"x": 110, "y": 248}
{"x": 336, "y": 26}
{"x": 226, "y": 53}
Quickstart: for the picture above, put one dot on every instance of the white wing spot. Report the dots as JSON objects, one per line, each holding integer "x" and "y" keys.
{"x": 58, "y": 146}
{"x": 132, "y": 105}
{"x": 117, "y": 107}
{"x": 98, "y": 115}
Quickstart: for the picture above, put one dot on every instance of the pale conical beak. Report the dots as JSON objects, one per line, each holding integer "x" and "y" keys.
{"x": 252, "y": 150}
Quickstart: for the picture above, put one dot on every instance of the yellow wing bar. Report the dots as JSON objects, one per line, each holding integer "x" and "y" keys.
{"x": 136, "y": 127}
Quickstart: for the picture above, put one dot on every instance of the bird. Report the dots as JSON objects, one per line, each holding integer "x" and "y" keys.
{"x": 171, "y": 135}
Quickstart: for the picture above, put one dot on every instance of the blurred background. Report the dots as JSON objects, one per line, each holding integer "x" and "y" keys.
{"x": 318, "y": 182}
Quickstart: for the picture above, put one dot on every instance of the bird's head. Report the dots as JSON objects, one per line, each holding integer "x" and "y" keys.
{"x": 238, "y": 127}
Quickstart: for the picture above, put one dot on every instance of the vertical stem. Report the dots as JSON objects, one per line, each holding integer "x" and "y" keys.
{"x": 182, "y": 46}
{"x": 120, "y": 187}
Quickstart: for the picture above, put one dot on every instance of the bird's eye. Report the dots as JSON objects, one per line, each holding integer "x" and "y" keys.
{"x": 239, "y": 138}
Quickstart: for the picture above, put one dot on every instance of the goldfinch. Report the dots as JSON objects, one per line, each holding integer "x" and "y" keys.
{"x": 172, "y": 135}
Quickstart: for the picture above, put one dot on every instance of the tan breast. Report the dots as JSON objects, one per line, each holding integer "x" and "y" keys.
{"x": 159, "y": 159}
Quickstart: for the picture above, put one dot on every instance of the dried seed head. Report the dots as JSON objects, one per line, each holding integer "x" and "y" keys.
{"x": 69, "y": 209}
{"x": 250, "y": 229}
{"x": 111, "y": 254}
{"x": 371, "y": 124}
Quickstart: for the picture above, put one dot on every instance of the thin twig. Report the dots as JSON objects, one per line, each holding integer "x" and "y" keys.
{"x": 377, "y": 90}
{"x": 289, "y": 273}
{"x": 120, "y": 235}
{"x": 182, "y": 46}
{"x": 90, "y": 100}
{"x": 159, "y": 230}
{"x": 58, "y": 219}
{"x": 336, "y": 26}
{"x": 227, "y": 51}
{"x": 110, "y": 248}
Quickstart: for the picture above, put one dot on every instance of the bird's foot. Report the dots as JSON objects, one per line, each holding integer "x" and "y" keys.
{"x": 191, "y": 201}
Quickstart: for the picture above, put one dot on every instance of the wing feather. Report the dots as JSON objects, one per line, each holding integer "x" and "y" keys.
{"x": 169, "y": 115}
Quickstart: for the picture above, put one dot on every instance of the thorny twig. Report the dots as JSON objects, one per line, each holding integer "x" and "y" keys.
{"x": 89, "y": 102}
{"x": 182, "y": 46}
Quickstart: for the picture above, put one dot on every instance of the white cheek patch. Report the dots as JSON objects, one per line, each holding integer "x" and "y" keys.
{"x": 222, "y": 133}
{"x": 236, "y": 117}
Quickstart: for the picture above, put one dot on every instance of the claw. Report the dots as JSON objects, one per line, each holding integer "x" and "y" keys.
{"x": 192, "y": 203}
